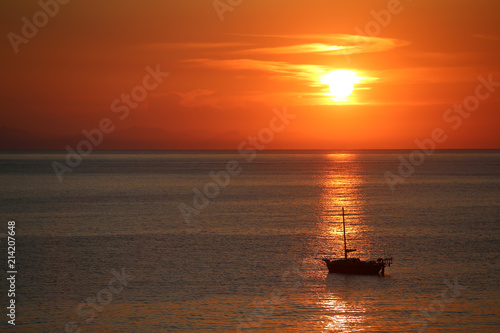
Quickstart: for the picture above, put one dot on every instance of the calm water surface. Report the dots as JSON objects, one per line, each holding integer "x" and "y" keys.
{"x": 246, "y": 261}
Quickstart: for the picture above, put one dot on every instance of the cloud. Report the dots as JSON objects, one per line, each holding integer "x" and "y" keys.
{"x": 298, "y": 71}
{"x": 297, "y": 77}
{"x": 295, "y": 49}
{"x": 330, "y": 44}
{"x": 487, "y": 37}
{"x": 194, "y": 97}
{"x": 193, "y": 46}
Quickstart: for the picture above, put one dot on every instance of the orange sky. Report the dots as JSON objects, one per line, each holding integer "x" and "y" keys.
{"x": 226, "y": 76}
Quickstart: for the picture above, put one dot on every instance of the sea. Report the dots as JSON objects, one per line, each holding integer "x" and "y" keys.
{"x": 228, "y": 241}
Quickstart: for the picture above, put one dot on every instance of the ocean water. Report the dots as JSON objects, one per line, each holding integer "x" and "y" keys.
{"x": 108, "y": 249}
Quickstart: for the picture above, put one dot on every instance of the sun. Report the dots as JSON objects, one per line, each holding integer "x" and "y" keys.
{"x": 341, "y": 83}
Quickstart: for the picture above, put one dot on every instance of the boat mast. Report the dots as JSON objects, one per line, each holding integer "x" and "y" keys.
{"x": 345, "y": 244}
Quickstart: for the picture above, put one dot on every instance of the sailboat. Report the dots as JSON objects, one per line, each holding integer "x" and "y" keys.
{"x": 355, "y": 265}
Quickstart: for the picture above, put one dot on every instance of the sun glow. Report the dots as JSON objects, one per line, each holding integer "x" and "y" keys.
{"x": 341, "y": 83}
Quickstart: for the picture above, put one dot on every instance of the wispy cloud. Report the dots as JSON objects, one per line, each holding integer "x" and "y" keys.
{"x": 195, "y": 46}
{"x": 195, "y": 97}
{"x": 487, "y": 37}
{"x": 333, "y": 44}
{"x": 327, "y": 44}
{"x": 295, "y": 49}
{"x": 297, "y": 77}
{"x": 306, "y": 72}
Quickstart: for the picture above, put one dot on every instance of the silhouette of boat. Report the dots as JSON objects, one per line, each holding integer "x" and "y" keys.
{"x": 355, "y": 265}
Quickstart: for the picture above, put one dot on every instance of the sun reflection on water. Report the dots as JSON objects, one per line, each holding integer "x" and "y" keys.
{"x": 343, "y": 315}
{"x": 342, "y": 181}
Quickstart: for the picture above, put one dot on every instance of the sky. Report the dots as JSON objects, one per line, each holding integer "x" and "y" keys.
{"x": 205, "y": 74}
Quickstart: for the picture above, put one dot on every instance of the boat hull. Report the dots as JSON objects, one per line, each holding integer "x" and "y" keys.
{"x": 354, "y": 266}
